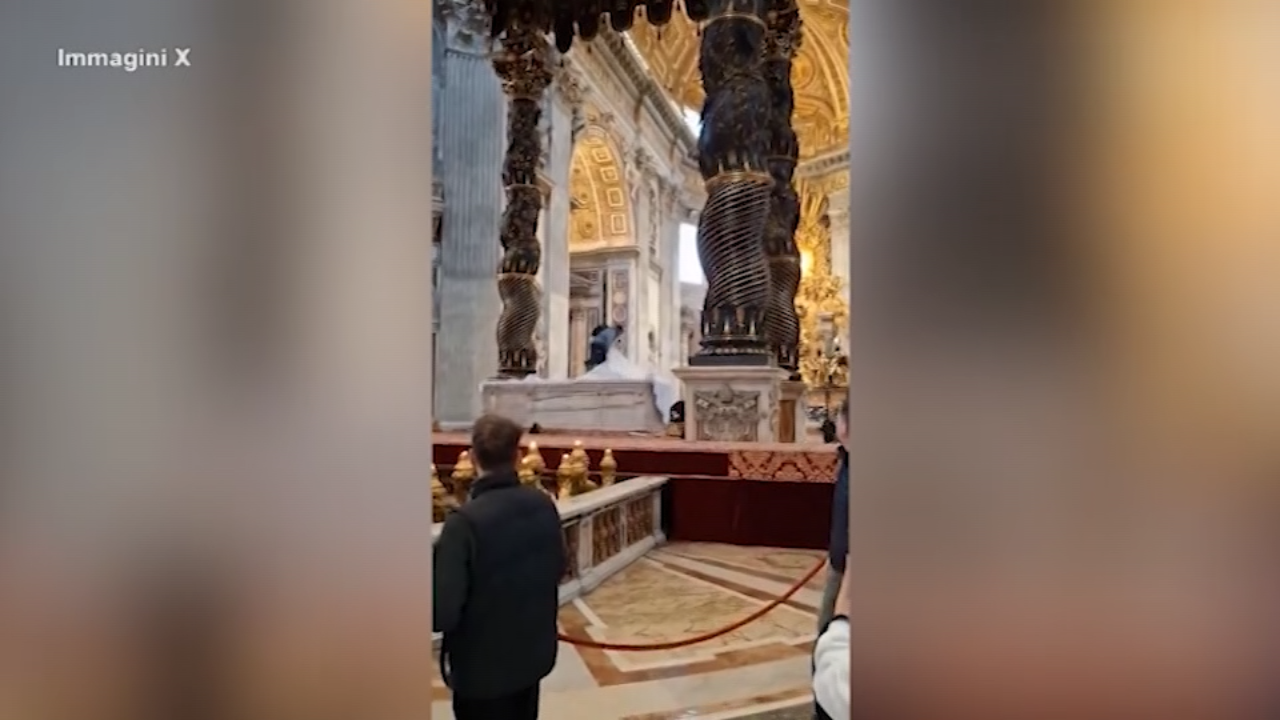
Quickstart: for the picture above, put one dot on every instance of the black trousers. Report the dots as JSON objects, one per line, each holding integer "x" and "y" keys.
{"x": 521, "y": 705}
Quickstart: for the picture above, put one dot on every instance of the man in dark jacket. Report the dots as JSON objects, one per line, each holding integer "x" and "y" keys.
{"x": 496, "y": 579}
{"x": 838, "y": 544}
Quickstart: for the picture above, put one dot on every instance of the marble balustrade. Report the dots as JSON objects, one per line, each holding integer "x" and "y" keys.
{"x": 606, "y": 530}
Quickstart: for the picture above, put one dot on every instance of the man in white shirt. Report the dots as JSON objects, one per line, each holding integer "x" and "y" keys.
{"x": 831, "y": 659}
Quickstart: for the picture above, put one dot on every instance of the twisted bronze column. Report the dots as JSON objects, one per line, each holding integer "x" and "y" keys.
{"x": 782, "y": 325}
{"x": 732, "y": 156}
{"x": 524, "y": 67}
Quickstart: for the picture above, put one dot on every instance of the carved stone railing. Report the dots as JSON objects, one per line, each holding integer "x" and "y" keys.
{"x": 606, "y": 530}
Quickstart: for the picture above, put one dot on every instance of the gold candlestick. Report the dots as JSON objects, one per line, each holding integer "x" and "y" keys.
{"x": 564, "y": 477}
{"x": 608, "y": 468}
{"x": 441, "y": 501}
{"x": 534, "y": 457}
{"x": 582, "y": 469}
{"x": 464, "y": 473}
{"x": 578, "y": 454}
{"x": 525, "y": 472}
{"x": 580, "y": 483}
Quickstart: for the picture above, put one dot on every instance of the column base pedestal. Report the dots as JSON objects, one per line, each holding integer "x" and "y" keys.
{"x": 732, "y": 403}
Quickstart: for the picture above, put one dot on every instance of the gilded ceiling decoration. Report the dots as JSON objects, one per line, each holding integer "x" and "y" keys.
{"x": 820, "y": 73}
{"x": 600, "y": 211}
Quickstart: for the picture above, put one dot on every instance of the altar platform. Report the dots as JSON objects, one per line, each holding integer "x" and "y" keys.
{"x": 764, "y": 494}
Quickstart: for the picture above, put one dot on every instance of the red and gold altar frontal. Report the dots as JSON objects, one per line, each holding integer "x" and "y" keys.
{"x": 676, "y": 458}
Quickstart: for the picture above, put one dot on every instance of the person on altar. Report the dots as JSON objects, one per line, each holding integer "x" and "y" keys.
{"x": 495, "y": 587}
{"x": 602, "y": 340}
{"x": 608, "y": 363}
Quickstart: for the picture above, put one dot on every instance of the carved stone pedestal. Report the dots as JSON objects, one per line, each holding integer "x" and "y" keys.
{"x": 732, "y": 403}
{"x": 792, "y": 420}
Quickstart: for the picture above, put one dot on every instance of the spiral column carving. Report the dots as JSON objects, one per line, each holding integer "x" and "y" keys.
{"x": 732, "y": 157}
{"x": 524, "y": 66}
{"x": 782, "y": 325}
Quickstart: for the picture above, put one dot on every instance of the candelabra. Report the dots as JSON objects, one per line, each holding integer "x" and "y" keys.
{"x": 832, "y": 366}
{"x": 464, "y": 473}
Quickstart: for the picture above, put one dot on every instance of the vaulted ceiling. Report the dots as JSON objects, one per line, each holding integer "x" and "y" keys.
{"x": 820, "y": 74}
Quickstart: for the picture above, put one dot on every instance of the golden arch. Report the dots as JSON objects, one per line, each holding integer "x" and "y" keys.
{"x": 600, "y": 203}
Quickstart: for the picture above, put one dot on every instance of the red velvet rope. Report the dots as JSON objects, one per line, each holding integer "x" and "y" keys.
{"x": 673, "y": 644}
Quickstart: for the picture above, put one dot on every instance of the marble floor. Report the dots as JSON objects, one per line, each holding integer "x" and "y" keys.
{"x": 676, "y": 591}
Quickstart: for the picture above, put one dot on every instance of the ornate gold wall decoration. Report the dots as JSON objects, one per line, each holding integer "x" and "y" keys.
{"x": 601, "y": 206}
{"x": 822, "y": 293}
{"x": 820, "y": 73}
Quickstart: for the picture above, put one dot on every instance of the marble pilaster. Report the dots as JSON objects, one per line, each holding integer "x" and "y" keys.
{"x": 838, "y": 212}
{"x": 555, "y": 245}
{"x": 674, "y": 352}
{"x": 640, "y": 182}
{"x": 791, "y": 412}
{"x": 473, "y": 138}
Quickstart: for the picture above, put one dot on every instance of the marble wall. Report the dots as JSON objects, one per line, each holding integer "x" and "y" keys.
{"x": 555, "y": 247}
{"x": 838, "y": 212}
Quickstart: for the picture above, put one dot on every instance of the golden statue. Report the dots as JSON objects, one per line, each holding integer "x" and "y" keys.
{"x": 441, "y": 501}
{"x": 464, "y": 473}
{"x": 608, "y": 468}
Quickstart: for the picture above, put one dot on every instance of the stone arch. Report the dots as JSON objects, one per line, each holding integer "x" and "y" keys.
{"x": 601, "y": 208}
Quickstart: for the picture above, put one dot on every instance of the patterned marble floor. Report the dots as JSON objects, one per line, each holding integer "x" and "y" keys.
{"x": 676, "y": 591}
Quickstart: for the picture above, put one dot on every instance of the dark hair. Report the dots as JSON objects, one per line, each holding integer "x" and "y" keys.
{"x": 599, "y": 329}
{"x": 495, "y": 442}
